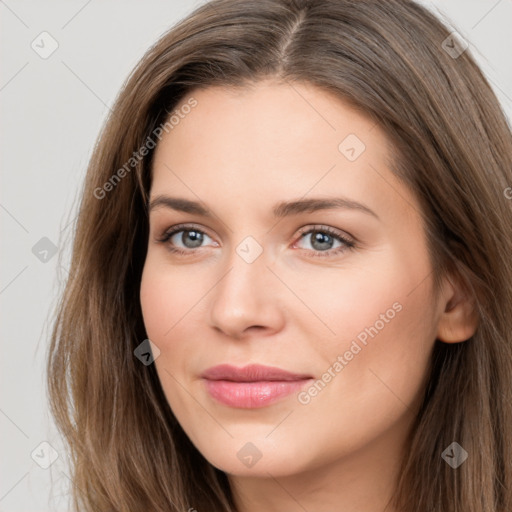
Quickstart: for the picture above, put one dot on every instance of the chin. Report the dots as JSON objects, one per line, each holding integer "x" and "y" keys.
{"x": 257, "y": 458}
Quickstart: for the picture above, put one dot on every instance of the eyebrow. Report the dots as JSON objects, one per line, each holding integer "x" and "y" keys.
{"x": 280, "y": 210}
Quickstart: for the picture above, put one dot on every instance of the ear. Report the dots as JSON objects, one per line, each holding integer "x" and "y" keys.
{"x": 459, "y": 318}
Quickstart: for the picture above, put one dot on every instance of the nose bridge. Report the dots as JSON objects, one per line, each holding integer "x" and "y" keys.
{"x": 244, "y": 296}
{"x": 246, "y": 269}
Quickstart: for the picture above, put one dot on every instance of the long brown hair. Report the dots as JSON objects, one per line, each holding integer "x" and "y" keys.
{"x": 453, "y": 148}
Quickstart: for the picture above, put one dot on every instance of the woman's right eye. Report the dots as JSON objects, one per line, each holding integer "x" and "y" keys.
{"x": 189, "y": 236}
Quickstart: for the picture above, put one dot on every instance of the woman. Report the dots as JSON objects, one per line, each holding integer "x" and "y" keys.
{"x": 291, "y": 282}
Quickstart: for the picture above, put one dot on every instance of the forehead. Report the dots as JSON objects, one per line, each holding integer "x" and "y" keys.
{"x": 273, "y": 140}
{"x": 290, "y": 118}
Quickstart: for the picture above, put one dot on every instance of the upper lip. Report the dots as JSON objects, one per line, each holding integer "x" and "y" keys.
{"x": 250, "y": 373}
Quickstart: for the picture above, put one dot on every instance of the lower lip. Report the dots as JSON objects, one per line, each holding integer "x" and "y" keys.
{"x": 252, "y": 395}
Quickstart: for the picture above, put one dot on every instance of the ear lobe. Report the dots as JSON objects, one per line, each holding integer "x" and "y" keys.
{"x": 459, "y": 320}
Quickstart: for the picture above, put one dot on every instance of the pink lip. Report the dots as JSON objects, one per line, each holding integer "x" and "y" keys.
{"x": 252, "y": 386}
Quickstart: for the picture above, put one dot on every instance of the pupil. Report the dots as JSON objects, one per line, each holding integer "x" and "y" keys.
{"x": 323, "y": 239}
{"x": 196, "y": 238}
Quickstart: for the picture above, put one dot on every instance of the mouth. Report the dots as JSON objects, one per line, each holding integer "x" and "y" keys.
{"x": 252, "y": 386}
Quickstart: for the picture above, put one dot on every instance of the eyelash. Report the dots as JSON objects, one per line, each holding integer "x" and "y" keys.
{"x": 348, "y": 244}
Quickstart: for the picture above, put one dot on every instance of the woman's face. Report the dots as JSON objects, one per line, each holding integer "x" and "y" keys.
{"x": 300, "y": 250}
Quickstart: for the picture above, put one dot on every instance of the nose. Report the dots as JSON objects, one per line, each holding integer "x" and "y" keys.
{"x": 246, "y": 299}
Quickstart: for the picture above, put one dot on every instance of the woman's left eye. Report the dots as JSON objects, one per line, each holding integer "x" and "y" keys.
{"x": 322, "y": 239}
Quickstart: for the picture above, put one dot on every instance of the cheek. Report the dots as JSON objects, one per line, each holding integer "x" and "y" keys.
{"x": 389, "y": 351}
{"x": 166, "y": 296}
{"x": 156, "y": 302}
{"x": 167, "y": 300}
{"x": 380, "y": 354}
{"x": 381, "y": 320}
{"x": 374, "y": 369}
{"x": 384, "y": 299}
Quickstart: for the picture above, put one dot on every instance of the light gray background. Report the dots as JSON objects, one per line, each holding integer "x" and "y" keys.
{"x": 51, "y": 112}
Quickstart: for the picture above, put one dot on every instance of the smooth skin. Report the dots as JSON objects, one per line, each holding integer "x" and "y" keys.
{"x": 300, "y": 304}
